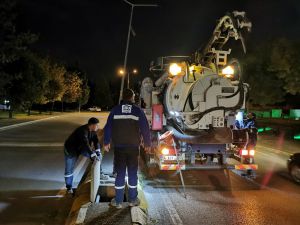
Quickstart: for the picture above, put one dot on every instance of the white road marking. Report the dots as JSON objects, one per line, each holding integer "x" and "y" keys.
{"x": 170, "y": 207}
{"x": 26, "y": 123}
{"x": 31, "y": 144}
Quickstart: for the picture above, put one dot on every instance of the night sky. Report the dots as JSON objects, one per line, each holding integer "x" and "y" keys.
{"x": 93, "y": 33}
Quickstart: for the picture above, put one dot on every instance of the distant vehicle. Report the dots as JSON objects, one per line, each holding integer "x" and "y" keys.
{"x": 94, "y": 109}
{"x": 294, "y": 167}
{"x": 4, "y": 107}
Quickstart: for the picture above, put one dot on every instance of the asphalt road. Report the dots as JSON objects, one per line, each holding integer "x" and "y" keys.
{"x": 31, "y": 183}
{"x": 31, "y": 171}
{"x": 223, "y": 197}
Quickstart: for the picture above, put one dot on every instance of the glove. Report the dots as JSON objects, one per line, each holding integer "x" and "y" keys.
{"x": 94, "y": 156}
{"x": 98, "y": 152}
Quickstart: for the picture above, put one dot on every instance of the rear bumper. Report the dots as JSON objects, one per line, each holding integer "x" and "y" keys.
{"x": 246, "y": 167}
{"x": 205, "y": 167}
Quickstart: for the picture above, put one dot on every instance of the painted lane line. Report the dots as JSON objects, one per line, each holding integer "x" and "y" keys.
{"x": 170, "y": 208}
{"x": 26, "y": 123}
{"x": 31, "y": 144}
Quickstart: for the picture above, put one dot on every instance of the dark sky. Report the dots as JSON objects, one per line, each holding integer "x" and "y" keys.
{"x": 93, "y": 32}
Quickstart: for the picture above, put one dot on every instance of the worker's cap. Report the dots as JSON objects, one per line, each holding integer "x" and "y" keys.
{"x": 127, "y": 94}
{"x": 93, "y": 120}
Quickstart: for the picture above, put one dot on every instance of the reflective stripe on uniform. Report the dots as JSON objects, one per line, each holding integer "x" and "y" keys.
{"x": 122, "y": 117}
{"x": 132, "y": 186}
{"x": 69, "y": 175}
{"x": 119, "y": 187}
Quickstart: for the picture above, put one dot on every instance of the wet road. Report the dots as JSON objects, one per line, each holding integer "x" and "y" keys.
{"x": 31, "y": 183}
{"x": 223, "y": 197}
{"x": 31, "y": 171}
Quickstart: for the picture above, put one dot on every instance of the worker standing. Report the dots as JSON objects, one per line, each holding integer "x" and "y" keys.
{"x": 83, "y": 141}
{"x": 125, "y": 127}
{"x": 251, "y": 125}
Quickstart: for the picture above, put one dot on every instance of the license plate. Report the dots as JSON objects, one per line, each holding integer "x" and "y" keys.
{"x": 173, "y": 158}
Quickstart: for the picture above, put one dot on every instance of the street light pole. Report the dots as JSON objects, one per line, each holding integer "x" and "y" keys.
{"x": 128, "y": 40}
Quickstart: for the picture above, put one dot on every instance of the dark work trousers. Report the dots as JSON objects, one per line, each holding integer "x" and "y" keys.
{"x": 126, "y": 158}
{"x": 70, "y": 162}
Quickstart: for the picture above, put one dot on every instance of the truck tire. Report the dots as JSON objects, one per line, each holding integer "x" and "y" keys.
{"x": 295, "y": 172}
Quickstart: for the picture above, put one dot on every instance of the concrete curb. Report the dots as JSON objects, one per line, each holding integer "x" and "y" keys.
{"x": 81, "y": 203}
{"x": 77, "y": 215}
{"x": 139, "y": 214}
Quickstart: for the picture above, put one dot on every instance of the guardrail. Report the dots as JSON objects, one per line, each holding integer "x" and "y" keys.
{"x": 95, "y": 180}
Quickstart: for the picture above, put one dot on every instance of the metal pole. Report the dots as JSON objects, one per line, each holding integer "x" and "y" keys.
{"x": 128, "y": 80}
{"x": 126, "y": 53}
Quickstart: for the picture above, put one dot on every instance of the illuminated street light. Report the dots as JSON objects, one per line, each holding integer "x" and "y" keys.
{"x": 134, "y": 71}
{"x": 128, "y": 39}
{"x": 121, "y": 72}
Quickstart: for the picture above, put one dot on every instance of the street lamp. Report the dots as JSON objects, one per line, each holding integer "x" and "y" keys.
{"x": 128, "y": 39}
{"x": 121, "y": 72}
{"x": 134, "y": 71}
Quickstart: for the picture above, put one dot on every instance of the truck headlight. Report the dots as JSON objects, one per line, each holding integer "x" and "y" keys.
{"x": 175, "y": 69}
{"x": 228, "y": 71}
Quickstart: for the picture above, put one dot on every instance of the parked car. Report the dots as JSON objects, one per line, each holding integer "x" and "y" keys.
{"x": 294, "y": 167}
{"x": 94, "y": 109}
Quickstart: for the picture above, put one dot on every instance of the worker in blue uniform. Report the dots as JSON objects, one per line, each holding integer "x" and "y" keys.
{"x": 126, "y": 128}
{"x": 251, "y": 126}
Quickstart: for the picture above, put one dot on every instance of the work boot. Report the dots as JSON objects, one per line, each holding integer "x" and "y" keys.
{"x": 70, "y": 191}
{"x": 103, "y": 177}
{"x": 115, "y": 204}
{"x": 136, "y": 202}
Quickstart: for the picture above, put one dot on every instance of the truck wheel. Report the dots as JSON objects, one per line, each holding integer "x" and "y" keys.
{"x": 295, "y": 173}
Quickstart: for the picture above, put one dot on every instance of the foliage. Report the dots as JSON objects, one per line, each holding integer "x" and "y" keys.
{"x": 28, "y": 84}
{"x": 273, "y": 71}
{"x": 72, "y": 87}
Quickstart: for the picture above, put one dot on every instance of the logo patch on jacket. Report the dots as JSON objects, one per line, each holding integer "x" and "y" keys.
{"x": 126, "y": 108}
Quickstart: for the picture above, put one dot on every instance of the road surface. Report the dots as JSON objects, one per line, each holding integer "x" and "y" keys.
{"x": 223, "y": 197}
{"x": 31, "y": 183}
{"x": 31, "y": 171}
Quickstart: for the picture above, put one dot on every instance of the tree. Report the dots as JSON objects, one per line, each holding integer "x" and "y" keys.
{"x": 265, "y": 86}
{"x": 55, "y": 86}
{"x": 13, "y": 45}
{"x": 72, "y": 88}
{"x": 103, "y": 96}
{"x": 285, "y": 63}
{"x": 28, "y": 85}
{"x": 84, "y": 94}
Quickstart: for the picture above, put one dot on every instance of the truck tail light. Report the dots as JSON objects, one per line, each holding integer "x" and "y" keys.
{"x": 165, "y": 151}
{"x": 252, "y": 152}
{"x": 244, "y": 152}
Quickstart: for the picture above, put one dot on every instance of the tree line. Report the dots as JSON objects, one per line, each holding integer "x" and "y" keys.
{"x": 27, "y": 78}
{"x": 272, "y": 70}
